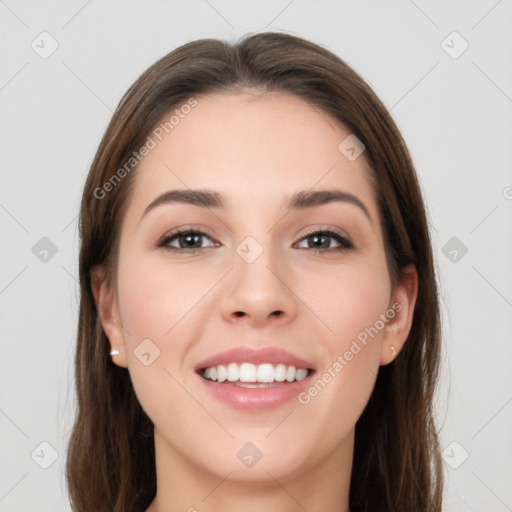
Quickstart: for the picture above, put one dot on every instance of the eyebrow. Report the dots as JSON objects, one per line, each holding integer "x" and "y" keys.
{"x": 303, "y": 199}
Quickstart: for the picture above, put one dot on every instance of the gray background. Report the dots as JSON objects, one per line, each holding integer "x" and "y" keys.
{"x": 455, "y": 114}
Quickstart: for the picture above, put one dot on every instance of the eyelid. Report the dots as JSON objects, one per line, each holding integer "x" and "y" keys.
{"x": 340, "y": 232}
{"x": 196, "y": 228}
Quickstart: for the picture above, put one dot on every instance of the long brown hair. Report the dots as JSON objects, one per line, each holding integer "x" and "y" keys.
{"x": 397, "y": 467}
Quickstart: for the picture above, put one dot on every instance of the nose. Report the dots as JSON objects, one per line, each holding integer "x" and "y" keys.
{"x": 259, "y": 293}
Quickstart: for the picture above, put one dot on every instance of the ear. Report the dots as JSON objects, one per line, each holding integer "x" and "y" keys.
{"x": 399, "y": 324}
{"x": 108, "y": 311}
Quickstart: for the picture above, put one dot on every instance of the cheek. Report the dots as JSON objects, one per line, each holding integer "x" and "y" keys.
{"x": 154, "y": 304}
{"x": 153, "y": 298}
{"x": 349, "y": 300}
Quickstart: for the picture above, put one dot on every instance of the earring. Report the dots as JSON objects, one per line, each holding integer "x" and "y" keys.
{"x": 394, "y": 351}
{"x": 114, "y": 352}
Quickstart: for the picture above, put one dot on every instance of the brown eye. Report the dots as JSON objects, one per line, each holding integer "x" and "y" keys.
{"x": 188, "y": 241}
{"x": 320, "y": 241}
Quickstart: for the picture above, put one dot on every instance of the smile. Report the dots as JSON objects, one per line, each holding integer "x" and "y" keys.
{"x": 251, "y": 379}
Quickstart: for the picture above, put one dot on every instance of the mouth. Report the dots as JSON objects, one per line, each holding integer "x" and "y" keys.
{"x": 250, "y": 379}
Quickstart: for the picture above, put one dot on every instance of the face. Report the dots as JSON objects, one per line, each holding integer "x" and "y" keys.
{"x": 257, "y": 276}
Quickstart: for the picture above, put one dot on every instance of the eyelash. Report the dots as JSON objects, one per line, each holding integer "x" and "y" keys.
{"x": 345, "y": 243}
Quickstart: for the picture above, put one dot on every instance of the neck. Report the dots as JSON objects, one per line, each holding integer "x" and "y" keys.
{"x": 182, "y": 486}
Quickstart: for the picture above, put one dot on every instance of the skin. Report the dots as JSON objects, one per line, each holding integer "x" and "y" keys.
{"x": 256, "y": 149}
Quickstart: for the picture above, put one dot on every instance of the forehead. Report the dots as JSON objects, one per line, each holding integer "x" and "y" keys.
{"x": 251, "y": 146}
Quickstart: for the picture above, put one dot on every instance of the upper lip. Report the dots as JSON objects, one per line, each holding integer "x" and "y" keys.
{"x": 246, "y": 354}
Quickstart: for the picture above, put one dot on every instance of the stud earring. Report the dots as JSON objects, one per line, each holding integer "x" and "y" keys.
{"x": 394, "y": 351}
{"x": 114, "y": 352}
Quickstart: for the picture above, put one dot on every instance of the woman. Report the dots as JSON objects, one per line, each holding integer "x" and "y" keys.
{"x": 259, "y": 321}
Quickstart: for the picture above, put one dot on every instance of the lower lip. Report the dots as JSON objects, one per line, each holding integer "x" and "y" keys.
{"x": 256, "y": 398}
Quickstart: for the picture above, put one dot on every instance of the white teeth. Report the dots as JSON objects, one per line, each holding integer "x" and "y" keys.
{"x": 222, "y": 373}
{"x": 280, "y": 373}
{"x": 232, "y": 372}
{"x": 265, "y": 373}
{"x": 301, "y": 374}
{"x": 249, "y": 373}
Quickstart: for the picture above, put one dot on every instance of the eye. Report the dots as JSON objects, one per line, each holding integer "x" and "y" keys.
{"x": 188, "y": 240}
{"x": 319, "y": 241}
